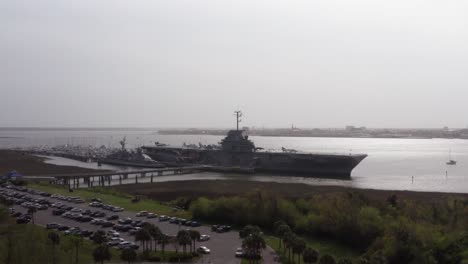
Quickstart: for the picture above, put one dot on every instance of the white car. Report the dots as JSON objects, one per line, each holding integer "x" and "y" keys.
{"x": 142, "y": 213}
{"x": 113, "y": 233}
{"x": 204, "y": 250}
{"x": 239, "y": 253}
{"x": 204, "y": 238}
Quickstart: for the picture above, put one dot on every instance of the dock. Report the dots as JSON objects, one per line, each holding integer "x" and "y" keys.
{"x": 105, "y": 178}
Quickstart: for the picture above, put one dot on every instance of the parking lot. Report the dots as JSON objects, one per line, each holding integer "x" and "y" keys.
{"x": 76, "y": 213}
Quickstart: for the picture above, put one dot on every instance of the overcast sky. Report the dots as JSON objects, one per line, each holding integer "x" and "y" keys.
{"x": 173, "y": 63}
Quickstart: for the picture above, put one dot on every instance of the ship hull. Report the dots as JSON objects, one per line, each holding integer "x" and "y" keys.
{"x": 131, "y": 163}
{"x": 306, "y": 165}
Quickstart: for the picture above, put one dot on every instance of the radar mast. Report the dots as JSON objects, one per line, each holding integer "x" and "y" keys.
{"x": 238, "y": 116}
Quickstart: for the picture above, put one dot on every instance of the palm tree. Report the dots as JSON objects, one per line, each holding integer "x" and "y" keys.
{"x": 143, "y": 236}
{"x": 327, "y": 259}
{"x": 288, "y": 240}
{"x": 101, "y": 253}
{"x": 194, "y": 235}
{"x": 163, "y": 239}
{"x": 128, "y": 255}
{"x": 184, "y": 239}
{"x": 281, "y": 231}
{"x": 299, "y": 246}
{"x": 248, "y": 230}
{"x": 310, "y": 255}
{"x": 253, "y": 244}
{"x": 99, "y": 237}
{"x": 77, "y": 242}
{"x": 345, "y": 261}
{"x": 32, "y": 211}
{"x": 154, "y": 232}
{"x": 55, "y": 239}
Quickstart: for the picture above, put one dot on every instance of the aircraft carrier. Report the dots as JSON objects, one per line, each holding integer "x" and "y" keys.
{"x": 237, "y": 153}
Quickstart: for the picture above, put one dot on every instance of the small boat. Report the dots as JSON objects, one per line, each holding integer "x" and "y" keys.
{"x": 451, "y": 161}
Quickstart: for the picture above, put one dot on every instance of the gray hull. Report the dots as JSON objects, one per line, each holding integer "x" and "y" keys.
{"x": 308, "y": 165}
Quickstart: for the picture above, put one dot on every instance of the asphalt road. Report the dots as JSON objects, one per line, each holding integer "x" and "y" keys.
{"x": 222, "y": 245}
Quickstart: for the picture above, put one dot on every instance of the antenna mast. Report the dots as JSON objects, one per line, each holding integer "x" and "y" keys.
{"x": 238, "y": 116}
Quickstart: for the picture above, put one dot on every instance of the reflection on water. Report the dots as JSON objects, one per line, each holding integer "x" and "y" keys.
{"x": 390, "y": 165}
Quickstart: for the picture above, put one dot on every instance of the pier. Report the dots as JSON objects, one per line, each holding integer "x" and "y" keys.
{"x": 108, "y": 178}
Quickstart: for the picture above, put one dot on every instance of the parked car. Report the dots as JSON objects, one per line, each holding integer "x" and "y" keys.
{"x": 63, "y": 228}
{"x": 22, "y": 220}
{"x": 52, "y": 226}
{"x": 152, "y": 215}
{"x": 107, "y": 224}
{"x": 203, "y": 250}
{"x": 195, "y": 224}
{"x": 142, "y": 213}
{"x": 112, "y": 217}
{"x": 239, "y": 253}
{"x": 163, "y": 218}
{"x": 222, "y": 229}
{"x": 204, "y": 238}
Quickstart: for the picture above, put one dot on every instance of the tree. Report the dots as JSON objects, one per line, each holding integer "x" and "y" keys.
{"x": 253, "y": 244}
{"x": 184, "y": 239}
{"x": 32, "y": 211}
{"x": 289, "y": 239}
{"x": 163, "y": 240}
{"x": 310, "y": 255}
{"x": 327, "y": 259}
{"x": 154, "y": 232}
{"x": 77, "y": 242}
{"x": 194, "y": 235}
{"x": 345, "y": 261}
{"x": 100, "y": 237}
{"x": 248, "y": 230}
{"x": 128, "y": 255}
{"x": 55, "y": 240}
{"x": 143, "y": 236}
{"x": 101, "y": 253}
{"x": 281, "y": 231}
{"x": 298, "y": 248}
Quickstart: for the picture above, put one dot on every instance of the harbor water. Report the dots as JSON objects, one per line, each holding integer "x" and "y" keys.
{"x": 392, "y": 164}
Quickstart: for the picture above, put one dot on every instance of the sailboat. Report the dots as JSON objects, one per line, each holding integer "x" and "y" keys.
{"x": 451, "y": 161}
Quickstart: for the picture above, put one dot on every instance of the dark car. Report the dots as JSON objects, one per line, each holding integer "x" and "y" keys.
{"x": 17, "y": 214}
{"x": 84, "y": 218}
{"x": 52, "y": 226}
{"x": 22, "y": 220}
{"x": 63, "y": 228}
{"x": 42, "y": 207}
{"x": 87, "y": 212}
{"x": 125, "y": 221}
{"x": 58, "y": 212}
{"x": 107, "y": 224}
{"x": 86, "y": 233}
{"x": 112, "y": 217}
{"x": 195, "y": 224}
{"x": 98, "y": 214}
{"x": 223, "y": 228}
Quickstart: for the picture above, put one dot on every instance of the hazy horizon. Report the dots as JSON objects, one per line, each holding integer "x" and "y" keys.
{"x": 184, "y": 64}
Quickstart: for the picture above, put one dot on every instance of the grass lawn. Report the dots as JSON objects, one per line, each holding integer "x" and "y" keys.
{"x": 323, "y": 246}
{"x": 110, "y": 196}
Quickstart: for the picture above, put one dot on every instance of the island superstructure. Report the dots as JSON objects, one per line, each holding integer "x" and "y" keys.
{"x": 238, "y": 153}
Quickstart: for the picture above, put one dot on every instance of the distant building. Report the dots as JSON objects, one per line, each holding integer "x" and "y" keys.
{"x": 355, "y": 129}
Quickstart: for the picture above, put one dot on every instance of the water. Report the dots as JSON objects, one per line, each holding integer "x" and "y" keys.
{"x": 391, "y": 163}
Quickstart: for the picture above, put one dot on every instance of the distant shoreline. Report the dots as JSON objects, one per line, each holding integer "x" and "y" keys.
{"x": 329, "y": 133}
